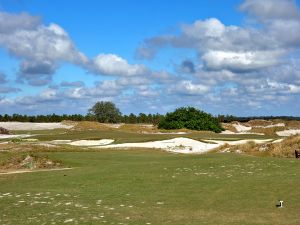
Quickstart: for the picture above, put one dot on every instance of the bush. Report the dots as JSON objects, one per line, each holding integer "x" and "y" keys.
{"x": 190, "y": 118}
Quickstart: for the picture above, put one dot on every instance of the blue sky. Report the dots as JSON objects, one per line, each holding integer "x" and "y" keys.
{"x": 224, "y": 57}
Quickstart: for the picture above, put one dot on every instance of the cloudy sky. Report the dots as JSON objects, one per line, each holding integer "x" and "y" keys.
{"x": 225, "y": 57}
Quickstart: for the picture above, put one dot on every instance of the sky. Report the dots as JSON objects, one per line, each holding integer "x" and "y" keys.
{"x": 238, "y": 57}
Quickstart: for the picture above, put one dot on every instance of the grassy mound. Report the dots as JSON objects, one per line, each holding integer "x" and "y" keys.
{"x": 286, "y": 148}
{"x": 17, "y": 161}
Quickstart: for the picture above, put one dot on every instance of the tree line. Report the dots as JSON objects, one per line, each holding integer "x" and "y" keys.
{"x": 131, "y": 118}
{"x": 107, "y": 112}
{"x": 231, "y": 118}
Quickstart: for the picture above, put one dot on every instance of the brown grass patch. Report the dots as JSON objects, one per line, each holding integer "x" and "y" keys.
{"x": 90, "y": 125}
{"x": 271, "y": 131}
{"x": 262, "y": 123}
{"x": 19, "y": 161}
{"x": 230, "y": 127}
{"x": 285, "y": 149}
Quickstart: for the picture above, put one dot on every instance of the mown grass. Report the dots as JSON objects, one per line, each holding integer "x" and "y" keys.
{"x": 154, "y": 187}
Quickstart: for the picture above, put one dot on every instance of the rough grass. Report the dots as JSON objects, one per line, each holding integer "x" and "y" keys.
{"x": 11, "y": 161}
{"x": 143, "y": 187}
{"x": 285, "y": 148}
{"x": 260, "y": 123}
{"x": 271, "y": 131}
{"x": 229, "y": 126}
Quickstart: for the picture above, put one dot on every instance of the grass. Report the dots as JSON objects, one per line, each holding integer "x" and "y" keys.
{"x": 284, "y": 149}
{"x": 125, "y": 136}
{"x": 154, "y": 187}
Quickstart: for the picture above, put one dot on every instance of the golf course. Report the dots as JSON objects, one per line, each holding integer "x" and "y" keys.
{"x": 91, "y": 185}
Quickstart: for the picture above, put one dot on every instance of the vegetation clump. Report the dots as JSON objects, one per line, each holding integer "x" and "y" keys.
{"x": 3, "y": 131}
{"x": 190, "y": 118}
{"x": 28, "y": 161}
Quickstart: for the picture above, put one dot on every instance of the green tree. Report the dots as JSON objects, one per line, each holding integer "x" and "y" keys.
{"x": 190, "y": 118}
{"x": 105, "y": 112}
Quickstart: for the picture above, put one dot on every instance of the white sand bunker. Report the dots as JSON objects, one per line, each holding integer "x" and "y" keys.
{"x": 59, "y": 142}
{"x": 33, "y": 126}
{"x": 241, "y": 128}
{"x": 182, "y": 145}
{"x": 286, "y": 133}
{"x": 92, "y": 142}
{"x": 9, "y": 136}
{"x": 230, "y": 132}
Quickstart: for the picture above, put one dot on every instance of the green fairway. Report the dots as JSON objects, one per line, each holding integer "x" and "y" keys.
{"x": 153, "y": 187}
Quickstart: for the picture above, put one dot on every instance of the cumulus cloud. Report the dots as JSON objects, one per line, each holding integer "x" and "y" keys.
{"x": 240, "y": 61}
{"x": 110, "y": 64}
{"x": 257, "y": 61}
{"x": 187, "y": 87}
{"x": 43, "y": 48}
{"x": 40, "y": 48}
{"x": 11, "y": 22}
{"x": 271, "y": 9}
{"x": 226, "y": 47}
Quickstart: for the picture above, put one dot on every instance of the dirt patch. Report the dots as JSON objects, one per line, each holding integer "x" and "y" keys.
{"x": 29, "y": 162}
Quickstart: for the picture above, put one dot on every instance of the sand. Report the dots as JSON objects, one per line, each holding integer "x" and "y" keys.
{"x": 230, "y": 132}
{"x": 241, "y": 128}
{"x": 273, "y": 125}
{"x": 182, "y": 145}
{"x": 91, "y": 142}
{"x": 31, "y": 171}
{"x": 7, "y": 136}
{"x": 33, "y": 126}
{"x": 61, "y": 141}
{"x": 286, "y": 133}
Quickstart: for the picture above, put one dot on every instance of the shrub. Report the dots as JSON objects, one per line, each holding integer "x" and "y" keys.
{"x": 190, "y": 118}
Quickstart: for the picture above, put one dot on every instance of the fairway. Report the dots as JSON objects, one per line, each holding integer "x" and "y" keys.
{"x": 154, "y": 187}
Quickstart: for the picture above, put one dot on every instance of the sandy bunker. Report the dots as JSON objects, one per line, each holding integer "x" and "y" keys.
{"x": 33, "y": 126}
{"x": 182, "y": 145}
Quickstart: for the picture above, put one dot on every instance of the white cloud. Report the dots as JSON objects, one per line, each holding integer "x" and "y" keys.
{"x": 211, "y": 28}
{"x": 40, "y": 48}
{"x": 187, "y": 87}
{"x": 240, "y": 61}
{"x": 271, "y": 9}
{"x": 110, "y": 64}
{"x": 11, "y": 22}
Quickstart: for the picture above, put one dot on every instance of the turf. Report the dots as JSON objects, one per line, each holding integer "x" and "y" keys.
{"x": 154, "y": 187}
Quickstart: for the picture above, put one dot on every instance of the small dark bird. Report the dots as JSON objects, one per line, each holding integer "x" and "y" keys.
{"x": 280, "y": 204}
